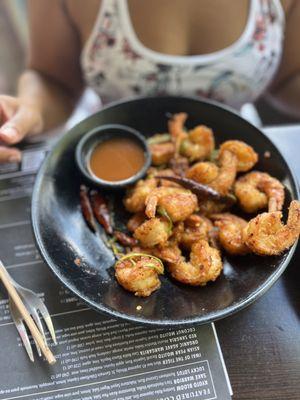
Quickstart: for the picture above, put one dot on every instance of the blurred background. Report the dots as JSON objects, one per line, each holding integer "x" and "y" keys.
{"x": 13, "y": 43}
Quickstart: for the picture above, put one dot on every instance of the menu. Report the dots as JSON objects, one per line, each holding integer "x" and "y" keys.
{"x": 98, "y": 357}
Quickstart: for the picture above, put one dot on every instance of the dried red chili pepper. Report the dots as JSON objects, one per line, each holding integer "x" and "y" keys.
{"x": 86, "y": 208}
{"x": 101, "y": 211}
{"x": 125, "y": 239}
{"x": 200, "y": 190}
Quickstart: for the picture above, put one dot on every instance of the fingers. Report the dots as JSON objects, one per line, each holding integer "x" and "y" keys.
{"x": 8, "y": 106}
{"x": 23, "y": 122}
{"x": 17, "y": 121}
{"x": 9, "y": 134}
{"x": 9, "y": 154}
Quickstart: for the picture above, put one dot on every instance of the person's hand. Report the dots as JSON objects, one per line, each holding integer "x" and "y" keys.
{"x": 17, "y": 120}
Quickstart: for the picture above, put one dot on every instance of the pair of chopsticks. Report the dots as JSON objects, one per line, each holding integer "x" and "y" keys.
{"x": 36, "y": 334}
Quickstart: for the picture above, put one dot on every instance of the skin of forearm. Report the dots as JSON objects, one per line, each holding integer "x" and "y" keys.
{"x": 49, "y": 98}
{"x": 286, "y": 96}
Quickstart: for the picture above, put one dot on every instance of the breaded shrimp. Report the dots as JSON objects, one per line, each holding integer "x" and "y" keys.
{"x": 196, "y": 227}
{"x": 176, "y": 129}
{"x": 245, "y": 154}
{"x": 257, "y": 190}
{"x": 168, "y": 251}
{"x": 139, "y": 274}
{"x": 153, "y": 231}
{"x": 219, "y": 178}
{"x": 177, "y": 203}
{"x": 231, "y": 233}
{"x": 203, "y": 172}
{"x": 227, "y": 173}
{"x": 208, "y": 207}
{"x": 162, "y": 152}
{"x": 135, "y": 221}
{"x": 266, "y": 235}
{"x": 205, "y": 265}
{"x": 199, "y": 144}
{"x": 135, "y": 197}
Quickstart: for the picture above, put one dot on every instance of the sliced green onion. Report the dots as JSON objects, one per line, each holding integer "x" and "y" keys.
{"x": 184, "y": 145}
{"x": 132, "y": 261}
{"x": 161, "y": 211}
{"x": 154, "y": 266}
{"x": 231, "y": 197}
{"x": 214, "y": 155}
{"x": 115, "y": 248}
{"x": 130, "y": 257}
{"x": 159, "y": 138}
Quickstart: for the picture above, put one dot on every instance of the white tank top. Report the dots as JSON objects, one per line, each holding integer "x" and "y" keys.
{"x": 117, "y": 65}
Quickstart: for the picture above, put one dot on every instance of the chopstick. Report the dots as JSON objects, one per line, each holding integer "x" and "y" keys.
{"x": 37, "y": 336}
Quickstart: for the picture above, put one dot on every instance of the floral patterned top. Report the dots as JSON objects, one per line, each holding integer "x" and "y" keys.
{"x": 117, "y": 65}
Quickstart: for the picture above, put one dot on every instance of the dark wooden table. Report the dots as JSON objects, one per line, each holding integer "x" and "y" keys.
{"x": 261, "y": 344}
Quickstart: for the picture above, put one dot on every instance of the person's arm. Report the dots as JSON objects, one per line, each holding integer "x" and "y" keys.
{"x": 49, "y": 88}
{"x": 284, "y": 93}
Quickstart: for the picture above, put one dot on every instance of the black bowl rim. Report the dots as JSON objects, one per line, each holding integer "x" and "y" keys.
{"x": 111, "y": 184}
{"x": 226, "y": 312}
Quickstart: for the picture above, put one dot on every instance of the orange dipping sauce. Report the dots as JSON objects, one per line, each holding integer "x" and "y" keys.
{"x": 116, "y": 159}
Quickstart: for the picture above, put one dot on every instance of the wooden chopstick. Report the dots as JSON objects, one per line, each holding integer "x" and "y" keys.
{"x": 37, "y": 336}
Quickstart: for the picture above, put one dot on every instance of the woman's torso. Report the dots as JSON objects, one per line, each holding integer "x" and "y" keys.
{"x": 220, "y": 49}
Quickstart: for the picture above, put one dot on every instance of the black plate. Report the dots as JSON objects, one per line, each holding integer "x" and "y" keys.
{"x": 62, "y": 234}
